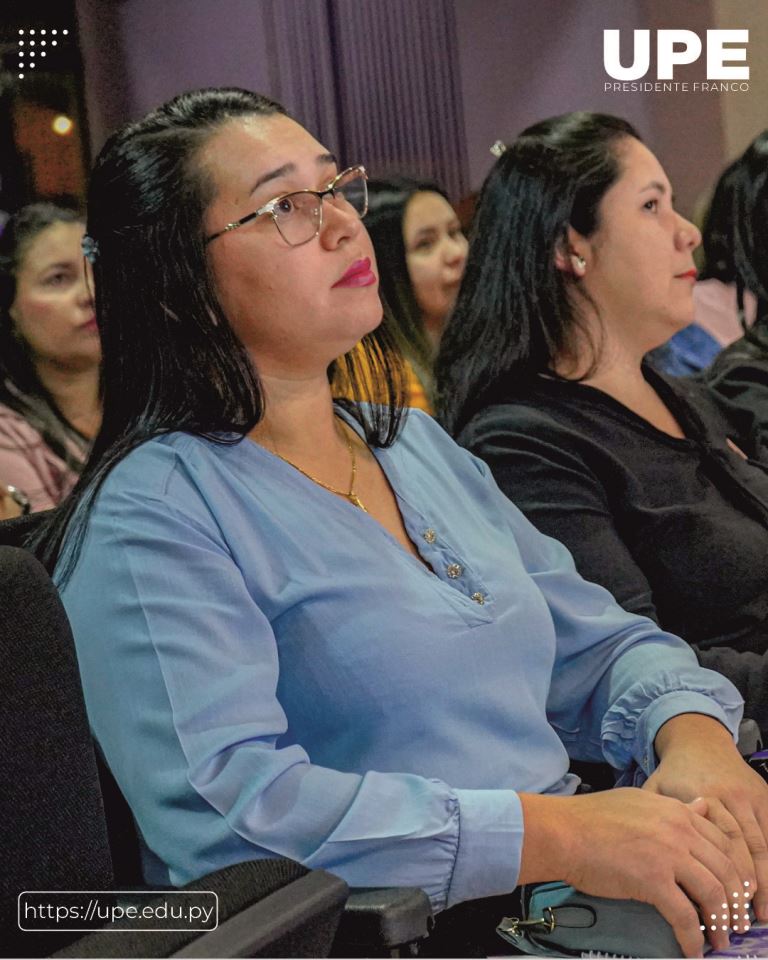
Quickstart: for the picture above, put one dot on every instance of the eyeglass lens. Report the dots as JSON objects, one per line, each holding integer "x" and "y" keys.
{"x": 298, "y": 215}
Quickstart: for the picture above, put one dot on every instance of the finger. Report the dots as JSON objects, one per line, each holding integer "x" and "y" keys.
{"x": 737, "y": 847}
{"x": 681, "y": 915}
{"x": 731, "y": 910}
{"x": 755, "y": 839}
{"x": 761, "y": 893}
{"x": 699, "y": 805}
{"x": 707, "y": 892}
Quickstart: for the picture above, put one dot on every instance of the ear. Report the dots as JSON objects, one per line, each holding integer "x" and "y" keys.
{"x": 570, "y": 253}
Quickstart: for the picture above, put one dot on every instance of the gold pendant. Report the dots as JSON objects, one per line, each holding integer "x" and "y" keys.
{"x": 353, "y": 498}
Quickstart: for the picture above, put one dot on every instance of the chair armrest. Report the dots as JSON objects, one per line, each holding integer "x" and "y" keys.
{"x": 269, "y": 908}
{"x": 382, "y": 919}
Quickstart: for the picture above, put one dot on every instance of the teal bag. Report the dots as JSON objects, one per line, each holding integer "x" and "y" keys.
{"x": 561, "y": 922}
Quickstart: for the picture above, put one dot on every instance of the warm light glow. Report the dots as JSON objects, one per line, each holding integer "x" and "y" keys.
{"x": 62, "y": 125}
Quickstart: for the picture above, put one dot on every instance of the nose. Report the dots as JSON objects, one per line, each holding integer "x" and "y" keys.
{"x": 687, "y": 235}
{"x": 340, "y": 222}
{"x": 455, "y": 251}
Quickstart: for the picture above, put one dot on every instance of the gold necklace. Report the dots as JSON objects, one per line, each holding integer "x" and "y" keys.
{"x": 351, "y": 495}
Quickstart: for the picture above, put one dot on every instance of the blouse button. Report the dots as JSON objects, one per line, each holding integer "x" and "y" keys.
{"x": 479, "y": 598}
{"x": 454, "y": 570}
{"x": 429, "y": 535}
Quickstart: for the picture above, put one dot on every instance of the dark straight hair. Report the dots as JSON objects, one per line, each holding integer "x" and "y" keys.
{"x": 735, "y": 233}
{"x": 20, "y": 386}
{"x": 516, "y": 312}
{"x": 387, "y": 202}
{"x": 170, "y": 358}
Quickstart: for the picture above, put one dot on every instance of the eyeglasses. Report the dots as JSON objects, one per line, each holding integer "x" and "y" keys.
{"x": 299, "y": 215}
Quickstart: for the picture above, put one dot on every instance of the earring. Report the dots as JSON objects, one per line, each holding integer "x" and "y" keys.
{"x": 579, "y": 263}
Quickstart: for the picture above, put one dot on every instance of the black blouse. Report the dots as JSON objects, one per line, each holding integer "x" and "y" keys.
{"x": 676, "y": 529}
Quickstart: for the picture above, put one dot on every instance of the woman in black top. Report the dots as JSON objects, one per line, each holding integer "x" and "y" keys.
{"x": 578, "y": 266}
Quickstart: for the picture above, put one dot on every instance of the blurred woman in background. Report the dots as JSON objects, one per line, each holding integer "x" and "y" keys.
{"x": 49, "y": 357}
{"x": 420, "y": 252}
{"x": 736, "y": 282}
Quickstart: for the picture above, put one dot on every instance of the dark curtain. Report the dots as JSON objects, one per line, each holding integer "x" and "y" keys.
{"x": 377, "y": 81}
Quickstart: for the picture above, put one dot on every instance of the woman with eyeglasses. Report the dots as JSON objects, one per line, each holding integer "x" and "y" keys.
{"x": 314, "y": 628}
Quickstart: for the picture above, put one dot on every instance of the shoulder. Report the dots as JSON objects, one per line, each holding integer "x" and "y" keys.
{"x": 422, "y": 437}
{"x": 744, "y": 361}
{"x": 559, "y": 416}
{"x": 171, "y": 467}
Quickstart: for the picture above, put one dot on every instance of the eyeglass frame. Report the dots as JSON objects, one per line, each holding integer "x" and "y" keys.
{"x": 269, "y": 207}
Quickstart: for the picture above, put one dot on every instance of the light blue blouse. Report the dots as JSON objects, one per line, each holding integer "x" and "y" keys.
{"x": 268, "y": 672}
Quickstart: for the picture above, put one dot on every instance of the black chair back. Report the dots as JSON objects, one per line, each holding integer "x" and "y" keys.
{"x": 52, "y": 830}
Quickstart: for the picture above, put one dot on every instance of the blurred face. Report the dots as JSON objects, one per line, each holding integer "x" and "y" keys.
{"x": 436, "y": 252}
{"x": 294, "y": 308}
{"x": 53, "y": 308}
{"x": 639, "y": 262}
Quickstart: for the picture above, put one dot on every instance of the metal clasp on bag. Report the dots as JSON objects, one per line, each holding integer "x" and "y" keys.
{"x": 516, "y": 925}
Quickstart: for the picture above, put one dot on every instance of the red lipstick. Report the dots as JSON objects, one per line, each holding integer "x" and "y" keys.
{"x": 359, "y": 274}
{"x": 692, "y": 273}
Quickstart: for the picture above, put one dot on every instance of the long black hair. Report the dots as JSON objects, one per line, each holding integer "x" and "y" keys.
{"x": 735, "y": 233}
{"x": 387, "y": 202}
{"x": 516, "y": 312}
{"x": 20, "y": 387}
{"x": 170, "y": 358}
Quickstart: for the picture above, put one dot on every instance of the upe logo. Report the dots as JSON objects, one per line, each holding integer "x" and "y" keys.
{"x": 677, "y": 48}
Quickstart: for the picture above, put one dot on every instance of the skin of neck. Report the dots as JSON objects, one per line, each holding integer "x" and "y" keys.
{"x": 619, "y": 368}
{"x": 433, "y": 327}
{"x": 299, "y": 421}
{"x": 75, "y": 392}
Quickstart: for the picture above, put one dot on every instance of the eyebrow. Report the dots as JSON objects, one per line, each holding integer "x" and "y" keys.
{"x": 434, "y": 228}
{"x": 60, "y": 265}
{"x": 654, "y": 185}
{"x": 324, "y": 159}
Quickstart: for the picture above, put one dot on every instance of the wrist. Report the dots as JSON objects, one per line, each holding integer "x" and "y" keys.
{"x": 689, "y": 731}
{"x": 548, "y": 837}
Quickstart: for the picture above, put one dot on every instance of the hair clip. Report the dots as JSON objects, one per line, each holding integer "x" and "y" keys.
{"x": 90, "y": 248}
{"x": 498, "y": 148}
